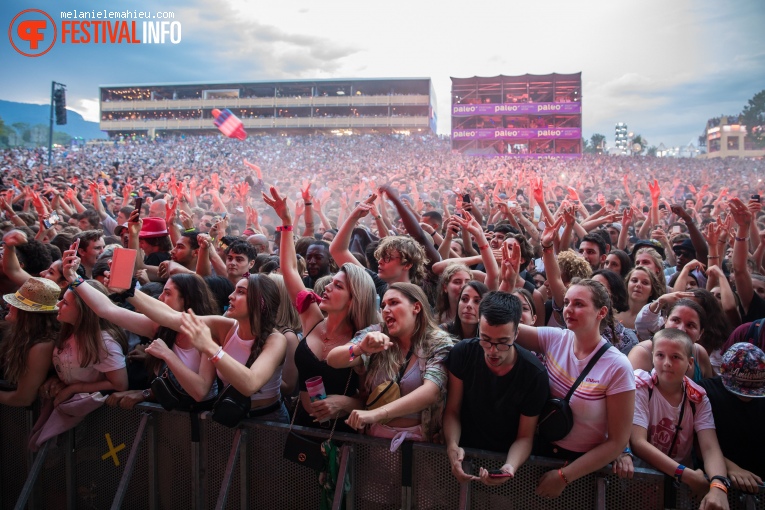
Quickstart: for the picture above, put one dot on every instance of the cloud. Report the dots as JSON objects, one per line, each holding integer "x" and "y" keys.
{"x": 88, "y": 108}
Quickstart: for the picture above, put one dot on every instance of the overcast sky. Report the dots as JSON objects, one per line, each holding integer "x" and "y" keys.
{"x": 663, "y": 67}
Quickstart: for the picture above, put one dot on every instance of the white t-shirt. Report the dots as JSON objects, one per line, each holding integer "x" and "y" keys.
{"x": 611, "y": 375}
{"x": 67, "y": 361}
{"x": 660, "y": 418}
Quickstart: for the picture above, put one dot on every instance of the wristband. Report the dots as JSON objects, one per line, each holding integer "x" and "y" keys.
{"x": 713, "y": 257}
{"x": 721, "y": 479}
{"x": 284, "y": 228}
{"x": 307, "y": 203}
{"x": 483, "y": 247}
{"x": 546, "y": 247}
{"x": 679, "y": 473}
{"x": 628, "y": 451}
{"x": 353, "y": 354}
{"x": 741, "y": 239}
{"x": 192, "y": 229}
{"x": 76, "y": 283}
{"x": 562, "y": 476}
{"x": 218, "y": 356}
{"x": 719, "y": 486}
{"x": 378, "y": 217}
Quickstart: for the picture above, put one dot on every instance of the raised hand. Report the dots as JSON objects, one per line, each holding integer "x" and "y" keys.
{"x": 279, "y": 205}
{"x": 655, "y": 190}
{"x": 305, "y": 191}
{"x": 550, "y": 232}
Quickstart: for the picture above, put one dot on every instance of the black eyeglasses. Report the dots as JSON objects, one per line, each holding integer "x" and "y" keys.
{"x": 388, "y": 258}
{"x": 500, "y": 346}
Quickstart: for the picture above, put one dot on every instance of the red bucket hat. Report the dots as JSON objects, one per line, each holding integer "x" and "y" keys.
{"x": 153, "y": 227}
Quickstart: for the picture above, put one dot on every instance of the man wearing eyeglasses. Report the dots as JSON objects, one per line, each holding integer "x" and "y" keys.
{"x": 496, "y": 392}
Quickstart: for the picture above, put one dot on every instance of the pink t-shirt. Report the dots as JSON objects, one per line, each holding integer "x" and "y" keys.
{"x": 612, "y": 374}
{"x": 659, "y": 418}
{"x": 67, "y": 361}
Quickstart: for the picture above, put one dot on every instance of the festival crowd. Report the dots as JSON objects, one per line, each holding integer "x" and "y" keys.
{"x": 602, "y": 311}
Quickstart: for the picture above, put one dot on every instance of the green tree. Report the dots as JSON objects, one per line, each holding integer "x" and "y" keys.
{"x": 598, "y": 143}
{"x": 4, "y": 132}
{"x": 60, "y": 138}
{"x": 638, "y": 140}
{"x": 22, "y": 129}
{"x": 652, "y": 151}
{"x": 753, "y": 117}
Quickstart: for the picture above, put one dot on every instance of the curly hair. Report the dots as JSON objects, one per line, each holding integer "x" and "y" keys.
{"x": 573, "y": 266}
{"x": 411, "y": 253}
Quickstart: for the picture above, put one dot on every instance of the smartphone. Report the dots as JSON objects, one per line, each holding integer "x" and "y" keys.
{"x": 138, "y": 205}
{"x": 497, "y": 473}
{"x": 676, "y": 229}
{"x": 122, "y": 269}
{"x": 51, "y": 220}
{"x": 75, "y": 246}
{"x": 223, "y": 216}
{"x": 662, "y": 206}
{"x": 466, "y": 198}
{"x": 756, "y": 197}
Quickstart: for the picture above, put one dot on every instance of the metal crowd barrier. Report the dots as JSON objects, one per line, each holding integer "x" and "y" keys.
{"x": 150, "y": 458}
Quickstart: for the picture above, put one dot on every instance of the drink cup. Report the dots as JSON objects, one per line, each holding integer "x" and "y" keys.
{"x": 315, "y": 387}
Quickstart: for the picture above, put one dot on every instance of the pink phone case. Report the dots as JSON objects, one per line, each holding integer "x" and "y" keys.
{"x": 123, "y": 267}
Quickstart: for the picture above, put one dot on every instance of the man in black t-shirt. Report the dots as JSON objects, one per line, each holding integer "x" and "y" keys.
{"x": 738, "y": 408}
{"x": 496, "y": 391}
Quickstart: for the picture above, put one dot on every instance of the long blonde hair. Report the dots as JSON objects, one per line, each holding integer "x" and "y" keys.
{"x": 286, "y": 315}
{"x": 363, "y": 309}
{"x": 426, "y": 338}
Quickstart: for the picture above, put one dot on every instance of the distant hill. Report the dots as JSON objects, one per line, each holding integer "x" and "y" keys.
{"x": 12, "y": 112}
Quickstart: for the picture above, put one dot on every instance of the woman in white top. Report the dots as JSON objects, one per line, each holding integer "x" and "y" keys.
{"x": 603, "y": 403}
{"x": 181, "y": 292}
{"x": 244, "y": 335}
{"x": 89, "y": 355}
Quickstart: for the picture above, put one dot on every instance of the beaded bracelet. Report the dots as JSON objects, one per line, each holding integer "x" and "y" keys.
{"x": 562, "y": 476}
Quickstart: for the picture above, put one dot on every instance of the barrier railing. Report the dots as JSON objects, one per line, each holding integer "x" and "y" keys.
{"x": 150, "y": 458}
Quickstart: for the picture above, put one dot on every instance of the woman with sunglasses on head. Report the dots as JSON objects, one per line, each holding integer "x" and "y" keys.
{"x": 349, "y": 302}
{"x": 409, "y": 349}
{"x": 602, "y": 408}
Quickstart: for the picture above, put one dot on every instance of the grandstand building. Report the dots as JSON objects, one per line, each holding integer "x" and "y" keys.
{"x": 401, "y": 105}
{"x": 528, "y": 116}
{"x": 726, "y": 138}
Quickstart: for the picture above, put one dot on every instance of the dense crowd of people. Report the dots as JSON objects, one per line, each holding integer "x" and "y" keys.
{"x": 602, "y": 310}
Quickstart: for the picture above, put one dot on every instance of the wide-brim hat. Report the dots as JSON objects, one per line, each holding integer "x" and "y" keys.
{"x": 153, "y": 227}
{"x": 648, "y": 243}
{"x": 119, "y": 228}
{"x": 743, "y": 370}
{"x": 36, "y": 295}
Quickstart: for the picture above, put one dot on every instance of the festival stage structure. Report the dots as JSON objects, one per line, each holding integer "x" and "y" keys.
{"x": 529, "y": 116}
{"x": 394, "y": 105}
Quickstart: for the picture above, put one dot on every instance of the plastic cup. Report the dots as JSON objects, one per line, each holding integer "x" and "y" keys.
{"x": 315, "y": 387}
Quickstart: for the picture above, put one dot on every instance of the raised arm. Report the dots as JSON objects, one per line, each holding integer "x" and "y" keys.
{"x": 288, "y": 259}
{"x": 11, "y": 266}
{"x": 103, "y": 307}
{"x": 340, "y": 247}
{"x": 412, "y": 225}
{"x": 743, "y": 217}
{"x": 552, "y": 269}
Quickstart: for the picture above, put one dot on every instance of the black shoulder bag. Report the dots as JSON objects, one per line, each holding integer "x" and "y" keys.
{"x": 309, "y": 452}
{"x": 556, "y": 419}
{"x": 232, "y": 406}
{"x": 171, "y": 395}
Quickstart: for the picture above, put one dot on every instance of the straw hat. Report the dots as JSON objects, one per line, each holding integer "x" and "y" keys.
{"x": 36, "y": 295}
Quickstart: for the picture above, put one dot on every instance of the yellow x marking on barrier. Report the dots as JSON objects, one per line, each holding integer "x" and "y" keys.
{"x": 112, "y": 450}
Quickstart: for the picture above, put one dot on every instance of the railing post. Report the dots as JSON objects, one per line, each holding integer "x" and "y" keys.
{"x": 600, "y": 492}
{"x": 229, "y": 473}
{"x": 130, "y": 464}
{"x": 34, "y": 472}
{"x": 350, "y": 497}
{"x": 152, "y": 470}
{"x": 337, "y": 501}
{"x": 467, "y": 466}
{"x": 244, "y": 480}
{"x": 406, "y": 474}
{"x": 197, "y": 468}
{"x": 71, "y": 485}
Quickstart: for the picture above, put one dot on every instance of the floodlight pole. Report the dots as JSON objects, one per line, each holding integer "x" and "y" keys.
{"x": 50, "y": 128}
